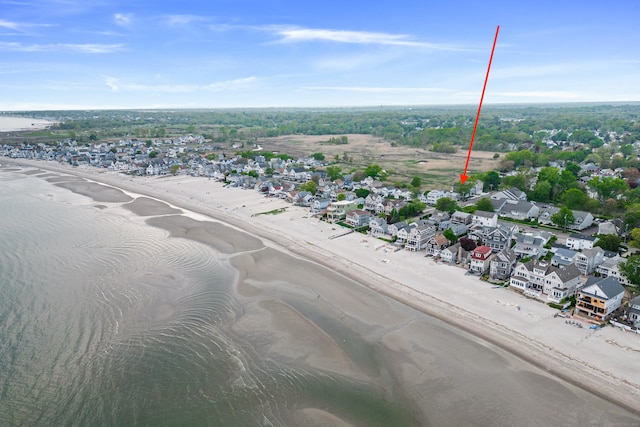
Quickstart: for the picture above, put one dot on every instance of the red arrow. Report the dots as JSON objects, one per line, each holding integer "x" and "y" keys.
{"x": 463, "y": 176}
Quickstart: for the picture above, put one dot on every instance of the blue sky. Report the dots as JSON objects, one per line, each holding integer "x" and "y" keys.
{"x": 67, "y": 54}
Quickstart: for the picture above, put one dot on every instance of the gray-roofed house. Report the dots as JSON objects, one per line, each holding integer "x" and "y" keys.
{"x": 540, "y": 279}
{"x": 581, "y": 220}
{"x": 589, "y": 259}
{"x": 378, "y": 227}
{"x": 500, "y": 237}
{"x": 531, "y": 245}
{"x": 419, "y": 236}
{"x": 577, "y": 241}
{"x": 520, "y": 210}
{"x": 484, "y": 219}
{"x": 502, "y": 265}
{"x": 546, "y": 212}
{"x": 610, "y": 267}
{"x": 599, "y": 298}
{"x": 510, "y": 194}
{"x": 562, "y": 256}
{"x": 632, "y": 311}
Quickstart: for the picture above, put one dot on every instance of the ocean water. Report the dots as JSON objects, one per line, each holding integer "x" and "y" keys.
{"x": 106, "y": 319}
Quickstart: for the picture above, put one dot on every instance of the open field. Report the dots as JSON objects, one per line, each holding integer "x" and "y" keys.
{"x": 435, "y": 169}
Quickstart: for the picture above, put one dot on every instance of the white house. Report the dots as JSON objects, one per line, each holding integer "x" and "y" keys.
{"x": 484, "y": 219}
{"x": 610, "y": 268}
{"x": 434, "y": 195}
{"x": 578, "y": 242}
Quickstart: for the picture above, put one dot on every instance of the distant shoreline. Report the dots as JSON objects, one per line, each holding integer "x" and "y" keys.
{"x": 17, "y": 124}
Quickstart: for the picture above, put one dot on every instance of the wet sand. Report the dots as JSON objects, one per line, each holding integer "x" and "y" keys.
{"x": 310, "y": 299}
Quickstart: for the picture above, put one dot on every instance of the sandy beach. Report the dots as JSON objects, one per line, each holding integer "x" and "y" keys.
{"x": 603, "y": 362}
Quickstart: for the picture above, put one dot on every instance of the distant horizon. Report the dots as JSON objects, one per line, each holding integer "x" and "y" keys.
{"x": 338, "y": 107}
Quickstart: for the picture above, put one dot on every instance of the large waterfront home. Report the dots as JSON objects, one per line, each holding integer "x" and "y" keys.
{"x": 599, "y": 298}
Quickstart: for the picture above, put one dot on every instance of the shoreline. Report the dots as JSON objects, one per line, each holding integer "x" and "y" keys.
{"x": 441, "y": 291}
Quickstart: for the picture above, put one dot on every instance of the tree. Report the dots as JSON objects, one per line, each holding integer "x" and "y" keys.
{"x": 563, "y": 217}
{"x": 446, "y": 204}
{"x": 484, "y": 204}
{"x": 309, "y": 186}
{"x": 374, "y": 171}
{"x": 607, "y": 187}
{"x": 467, "y": 244}
{"x": 153, "y": 154}
{"x": 416, "y": 181}
{"x": 362, "y": 192}
{"x": 542, "y": 192}
{"x": 608, "y": 242}
{"x": 631, "y": 269}
{"x": 174, "y": 169}
{"x": 450, "y": 235}
{"x": 573, "y": 168}
{"x": 635, "y": 238}
{"x": 575, "y": 198}
{"x": 334, "y": 172}
{"x": 341, "y": 197}
{"x": 318, "y": 156}
{"x": 491, "y": 181}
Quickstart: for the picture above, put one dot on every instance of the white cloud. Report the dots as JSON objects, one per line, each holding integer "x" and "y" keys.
{"x": 558, "y": 95}
{"x": 123, "y": 20}
{"x": 297, "y": 34}
{"x": 178, "y": 20}
{"x": 61, "y": 47}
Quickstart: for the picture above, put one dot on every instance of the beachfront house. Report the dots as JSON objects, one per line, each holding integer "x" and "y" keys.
{"x": 436, "y": 244}
{"x": 419, "y": 236}
{"x": 378, "y": 227}
{"x": 403, "y": 233}
{"x": 540, "y": 279}
{"x": 502, "y": 264}
{"x": 358, "y": 218}
{"x": 454, "y": 254}
{"x": 337, "y": 211}
{"x": 599, "y": 298}
{"x": 480, "y": 260}
{"x": 394, "y": 228}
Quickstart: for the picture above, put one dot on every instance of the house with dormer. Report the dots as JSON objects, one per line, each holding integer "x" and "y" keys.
{"x": 480, "y": 260}
{"x": 358, "y": 218}
{"x": 403, "y": 233}
{"x": 436, "y": 244}
{"x": 510, "y": 194}
{"x": 378, "y": 227}
{"x": 500, "y": 237}
{"x": 502, "y": 264}
{"x": 542, "y": 280}
{"x": 419, "y": 236}
{"x": 394, "y": 228}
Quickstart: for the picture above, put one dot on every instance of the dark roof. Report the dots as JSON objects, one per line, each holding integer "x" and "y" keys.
{"x": 610, "y": 286}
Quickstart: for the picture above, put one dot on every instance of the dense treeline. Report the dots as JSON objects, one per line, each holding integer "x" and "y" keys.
{"x": 501, "y": 128}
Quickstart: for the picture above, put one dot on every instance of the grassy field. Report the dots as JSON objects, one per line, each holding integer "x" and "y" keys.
{"x": 436, "y": 170}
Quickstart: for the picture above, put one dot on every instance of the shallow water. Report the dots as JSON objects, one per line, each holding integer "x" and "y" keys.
{"x": 107, "y": 320}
